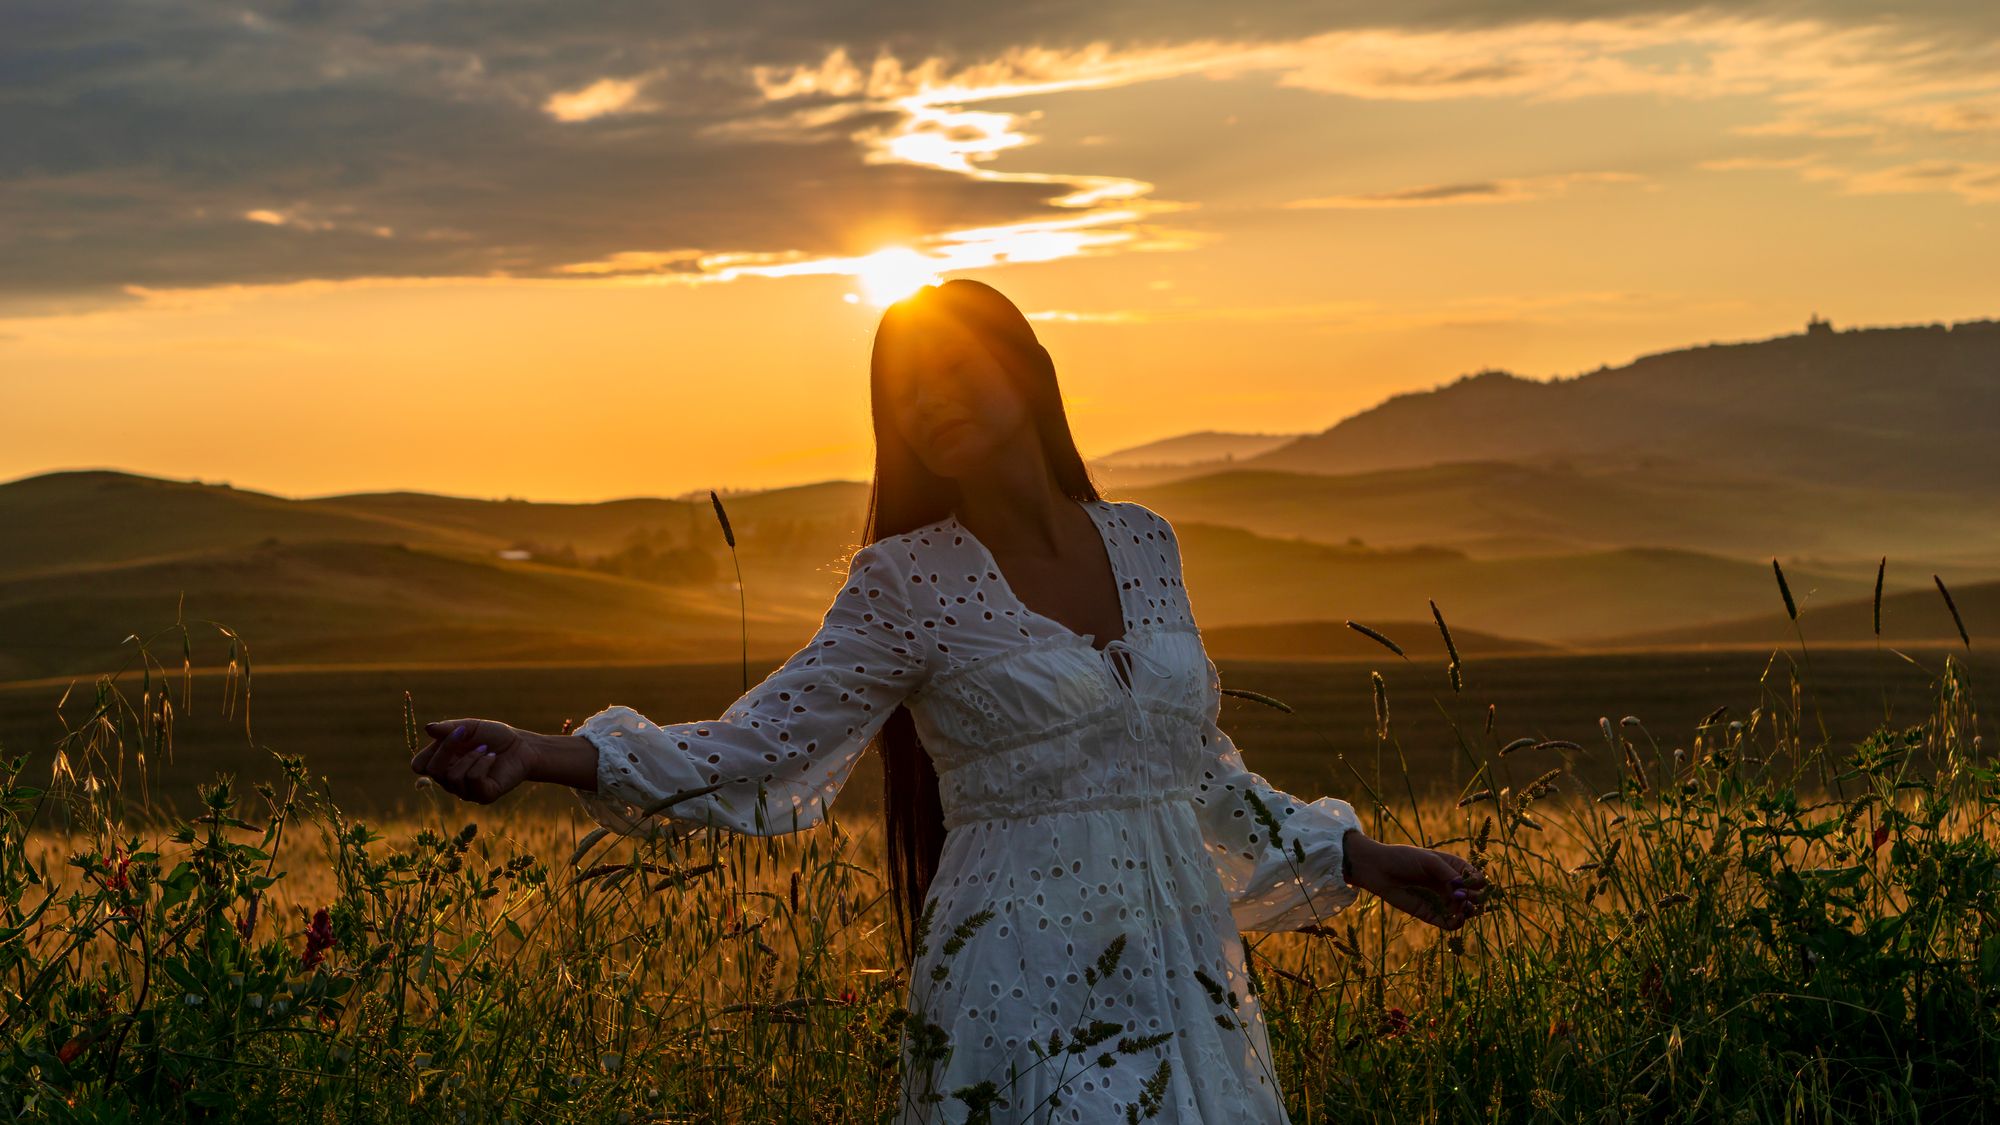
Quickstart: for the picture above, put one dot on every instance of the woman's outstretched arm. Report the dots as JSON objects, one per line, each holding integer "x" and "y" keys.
{"x": 771, "y": 763}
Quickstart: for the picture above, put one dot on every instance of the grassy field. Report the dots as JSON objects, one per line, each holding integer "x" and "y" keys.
{"x": 1684, "y": 931}
{"x": 346, "y": 721}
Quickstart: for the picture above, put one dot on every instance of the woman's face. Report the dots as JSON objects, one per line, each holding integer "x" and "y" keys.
{"x": 952, "y": 401}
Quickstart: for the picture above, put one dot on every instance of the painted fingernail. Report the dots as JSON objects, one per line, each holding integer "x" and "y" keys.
{"x": 481, "y": 749}
{"x": 1458, "y": 895}
{"x": 461, "y": 731}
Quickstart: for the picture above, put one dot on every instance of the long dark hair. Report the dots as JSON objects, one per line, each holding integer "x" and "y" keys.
{"x": 904, "y": 496}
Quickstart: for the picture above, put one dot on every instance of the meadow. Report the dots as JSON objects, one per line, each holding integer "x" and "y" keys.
{"x": 345, "y": 721}
{"x": 1729, "y": 890}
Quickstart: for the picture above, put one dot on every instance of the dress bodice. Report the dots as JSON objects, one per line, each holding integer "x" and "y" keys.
{"x": 1053, "y": 724}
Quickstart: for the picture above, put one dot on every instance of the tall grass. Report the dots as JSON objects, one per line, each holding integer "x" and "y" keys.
{"x": 1749, "y": 926}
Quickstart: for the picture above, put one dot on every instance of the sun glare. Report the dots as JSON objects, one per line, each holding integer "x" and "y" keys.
{"x": 888, "y": 276}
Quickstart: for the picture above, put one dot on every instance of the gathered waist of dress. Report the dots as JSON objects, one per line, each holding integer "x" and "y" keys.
{"x": 1045, "y": 806}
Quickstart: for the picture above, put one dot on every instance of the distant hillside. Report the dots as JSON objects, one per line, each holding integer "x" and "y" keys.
{"x": 1501, "y": 509}
{"x": 1199, "y": 447}
{"x": 606, "y": 525}
{"x": 1237, "y": 578}
{"x": 366, "y": 602}
{"x": 67, "y": 520}
{"x": 1913, "y": 615}
{"x": 1333, "y": 640}
{"x": 1908, "y": 407}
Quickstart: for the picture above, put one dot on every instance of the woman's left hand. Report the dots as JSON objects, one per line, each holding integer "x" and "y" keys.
{"x": 476, "y": 760}
{"x": 1433, "y": 886}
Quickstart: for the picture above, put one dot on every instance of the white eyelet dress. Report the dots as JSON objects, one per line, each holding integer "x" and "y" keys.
{"x": 1088, "y": 796}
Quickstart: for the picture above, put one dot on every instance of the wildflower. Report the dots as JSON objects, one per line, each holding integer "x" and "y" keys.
{"x": 192, "y": 1000}
{"x": 1395, "y": 1022}
{"x": 119, "y": 881}
{"x": 1881, "y": 837}
{"x": 70, "y": 1050}
{"x": 847, "y": 996}
{"x": 319, "y": 937}
{"x": 611, "y": 1061}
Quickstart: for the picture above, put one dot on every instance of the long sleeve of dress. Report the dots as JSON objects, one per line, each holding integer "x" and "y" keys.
{"x": 1285, "y": 884}
{"x": 1280, "y": 884}
{"x": 785, "y": 747}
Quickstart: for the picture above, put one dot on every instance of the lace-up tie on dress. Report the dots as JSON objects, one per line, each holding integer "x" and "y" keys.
{"x": 1136, "y": 723}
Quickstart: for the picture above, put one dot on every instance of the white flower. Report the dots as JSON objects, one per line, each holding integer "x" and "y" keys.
{"x": 611, "y": 1061}
{"x": 255, "y": 1000}
{"x": 192, "y": 1000}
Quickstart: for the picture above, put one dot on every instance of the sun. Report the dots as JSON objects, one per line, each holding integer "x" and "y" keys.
{"x": 889, "y": 275}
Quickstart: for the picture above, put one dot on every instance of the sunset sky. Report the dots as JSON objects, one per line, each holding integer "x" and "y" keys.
{"x": 587, "y": 250}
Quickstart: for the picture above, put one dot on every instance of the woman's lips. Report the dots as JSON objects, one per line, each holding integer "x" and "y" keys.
{"x": 948, "y": 428}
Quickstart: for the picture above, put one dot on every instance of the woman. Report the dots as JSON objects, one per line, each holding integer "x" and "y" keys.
{"x": 1024, "y": 652}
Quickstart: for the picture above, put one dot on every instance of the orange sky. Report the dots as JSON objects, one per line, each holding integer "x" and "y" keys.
{"x": 1211, "y": 233}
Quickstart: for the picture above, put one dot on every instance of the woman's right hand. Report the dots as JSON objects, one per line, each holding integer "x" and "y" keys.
{"x": 478, "y": 760}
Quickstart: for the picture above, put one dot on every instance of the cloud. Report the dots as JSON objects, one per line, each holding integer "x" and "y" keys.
{"x": 159, "y": 147}
{"x": 1968, "y": 116}
{"x": 1756, "y": 163}
{"x": 602, "y": 97}
{"x": 1517, "y": 190}
{"x": 1974, "y": 182}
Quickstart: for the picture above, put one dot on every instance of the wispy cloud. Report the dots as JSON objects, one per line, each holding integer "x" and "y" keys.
{"x": 1974, "y": 181}
{"x": 600, "y": 98}
{"x": 1515, "y": 190}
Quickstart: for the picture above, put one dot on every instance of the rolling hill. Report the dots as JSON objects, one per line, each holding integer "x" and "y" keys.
{"x": 1200, "y": 447}
{"x": 357, "y": 602}
{"x": 428, "y": 579}
{"x": 1503, "y": 509}
{"x": 1913, "y": 408}
{"x": 1912, "y": 615}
